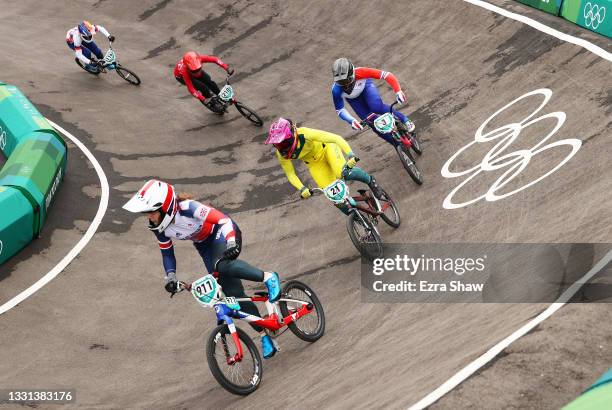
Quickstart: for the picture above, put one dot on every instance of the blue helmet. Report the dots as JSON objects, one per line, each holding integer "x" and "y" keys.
{"x": 86, "y": 30}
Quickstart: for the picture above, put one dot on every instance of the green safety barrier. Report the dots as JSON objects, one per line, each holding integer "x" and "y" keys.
{"x": 596, "y": 397}
{"x": 549, "y": 6}
{"x": 18, "y": 118}
{"x": 15, "y": 214}
{"x": 595, "y": 15}
{"x": 34, "y": 169}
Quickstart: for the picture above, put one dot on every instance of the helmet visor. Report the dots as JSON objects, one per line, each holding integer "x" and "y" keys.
{"x": 346, "y": 82}
{"x": 285, "y": 147}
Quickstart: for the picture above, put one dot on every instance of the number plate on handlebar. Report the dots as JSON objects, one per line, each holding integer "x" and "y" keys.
{"x": 337, "y": 191}
{"x": 226, "y": 93}
{"x": 206, "y": 290}
{"x": 109, "y": 57}
{"x": 384, "y": 123}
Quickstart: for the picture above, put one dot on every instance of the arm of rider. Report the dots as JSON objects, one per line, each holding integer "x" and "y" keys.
{"x": 232, "y": 250}
{"x": 213, "y": 59}
{"x": 287, "y": 166}
{"x": 81, "y": 56}
{"x": 352, "y": 160}
{"x": 305, "y": 192}
{"x": 171, "y": 282}
{"x": 400, "y": 97}
{"x": 102, "y": 30}
{"x": 356, "y": 125}
{"x": 326, "y": 137}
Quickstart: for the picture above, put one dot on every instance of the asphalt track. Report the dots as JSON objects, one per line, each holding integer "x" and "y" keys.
{"x": 106, "y": 327}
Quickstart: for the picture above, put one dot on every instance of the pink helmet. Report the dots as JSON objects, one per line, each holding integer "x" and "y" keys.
{"x": 281, "y": 135}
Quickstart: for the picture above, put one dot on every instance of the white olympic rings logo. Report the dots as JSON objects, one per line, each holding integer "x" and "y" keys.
{"x": 516, "y": 161}
{"x": 593, "y": 17}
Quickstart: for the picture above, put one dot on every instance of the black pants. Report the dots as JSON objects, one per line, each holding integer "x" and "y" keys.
{"x": 231, "y": 272}
{"x": 203, "y": 84}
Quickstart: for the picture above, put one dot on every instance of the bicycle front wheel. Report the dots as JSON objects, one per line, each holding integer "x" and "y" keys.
{"x": 409, "y": 164}
{"x": 248, "y": 113}
{"x": 390, "y": 213}
{"x": 309, "y": 327}
{"x": 364, "y": 236}
{"x": 127, "y": 75}
{"x": 237, "y": 377}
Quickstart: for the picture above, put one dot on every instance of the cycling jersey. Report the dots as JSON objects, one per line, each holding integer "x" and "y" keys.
{"x": 315, "y": 147}
{"x": 182, "y": 72}
{"x": 363, "y": 78}
{"x": 196, "y": 222}
{"x": 75, "y": 41}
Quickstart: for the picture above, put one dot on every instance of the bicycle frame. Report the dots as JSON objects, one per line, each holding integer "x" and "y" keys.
{"x": 353, "y": 202}
{"x": 226, "y": 314}
{"x": 394, "y": 131}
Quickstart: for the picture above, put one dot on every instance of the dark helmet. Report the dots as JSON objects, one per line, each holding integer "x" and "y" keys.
{"x": 343, "y": 72}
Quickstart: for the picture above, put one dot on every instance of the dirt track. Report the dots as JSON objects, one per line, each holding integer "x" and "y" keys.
{"x": 106, "y": 327}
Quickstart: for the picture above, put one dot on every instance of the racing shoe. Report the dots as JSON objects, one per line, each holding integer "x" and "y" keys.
{"x": 410, "y": 127}
{"x": 376, "y": 189}
{"x": 272, "y": 282}
{"x": 267, "y": 347}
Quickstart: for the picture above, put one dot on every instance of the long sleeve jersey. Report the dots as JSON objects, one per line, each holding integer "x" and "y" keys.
{"x": 362, "y": 75}
{"x": 310, "y": 149}
{"x": 196, "y": 222}
{"x": 73, "y": 37}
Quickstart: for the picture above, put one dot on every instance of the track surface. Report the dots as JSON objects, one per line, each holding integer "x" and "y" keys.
{"x": 106, "y": 327}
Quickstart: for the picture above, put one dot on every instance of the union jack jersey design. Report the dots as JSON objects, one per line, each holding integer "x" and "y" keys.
{"x": 196, "y": 222}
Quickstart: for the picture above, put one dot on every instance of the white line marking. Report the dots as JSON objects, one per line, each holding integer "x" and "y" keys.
{"x": 471, "y": 368}
{"x": 84, "y": 240}
{"x": 544, "y": 29}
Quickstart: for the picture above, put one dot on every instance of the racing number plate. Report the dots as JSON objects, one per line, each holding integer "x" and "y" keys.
{"x": 205, "y": 290}
{"x": 226, "y": 93}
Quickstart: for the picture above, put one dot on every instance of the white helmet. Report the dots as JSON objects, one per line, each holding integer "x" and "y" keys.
{"x": 155, "y": 196}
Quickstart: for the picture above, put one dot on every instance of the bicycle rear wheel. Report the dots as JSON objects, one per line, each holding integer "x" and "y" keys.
{"x": 409, "y": 164}
{"x": 127, "y": 75}
{"x": 309, "y": 327}
{"x": 248, "y": 113}
{"x": 241, "y": 377}
{"x": 364, "y": 236}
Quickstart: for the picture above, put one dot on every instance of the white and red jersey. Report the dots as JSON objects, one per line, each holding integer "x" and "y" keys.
{"x": 196, "y": 222}
{"x": 74, "y": 38}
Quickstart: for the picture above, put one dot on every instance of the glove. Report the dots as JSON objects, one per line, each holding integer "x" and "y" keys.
{"x": 352, "y": 160}
{"x": 200, "y": 97}
{"x": 111, "y": 38}
{"x": 229, "y": 69}
{"x": 100, "y": 63}
{"x": 171, "y": 283}
{"x": 232, "y": 251}
{"x": 356, "y": 125}
{"x": 305, "y": 193}
{"x": 401, "y": 97}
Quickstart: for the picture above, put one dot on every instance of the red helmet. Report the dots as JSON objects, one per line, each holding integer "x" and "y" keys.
{"x": 192, "y": 61}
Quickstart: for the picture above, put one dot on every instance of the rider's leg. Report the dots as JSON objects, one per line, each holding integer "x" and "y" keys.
{"x": 211, "y": 251}
{"x": 375, "y": 104}
{"x": 336, "y": 160}
{"x": 210, "y": 83}
{"x": 93, "y": 47}
{"x": 201, "y": 86}
{"x": 361, "y": 108}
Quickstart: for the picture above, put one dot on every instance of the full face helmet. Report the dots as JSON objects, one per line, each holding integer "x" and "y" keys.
{"x": 282, "y": 135}
{"x": 155, "y": 196}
